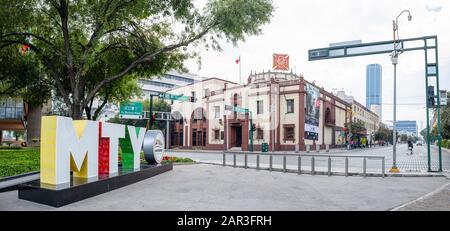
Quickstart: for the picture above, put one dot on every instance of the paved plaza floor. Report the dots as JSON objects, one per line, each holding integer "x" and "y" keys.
{"x": 415, "y": 163}
{"x": 211, "y": 187}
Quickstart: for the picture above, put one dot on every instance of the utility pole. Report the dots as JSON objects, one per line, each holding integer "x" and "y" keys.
{"x": 394, "y": 60}
{"x": 150, "y": 116}
{"x": 251, "y": 132}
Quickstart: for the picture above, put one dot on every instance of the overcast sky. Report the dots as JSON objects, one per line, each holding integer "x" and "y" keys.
{"x": 298, "y": 26}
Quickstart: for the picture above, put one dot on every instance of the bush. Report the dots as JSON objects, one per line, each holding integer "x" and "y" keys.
{"x": 444, "y": 143}
{"x": 18, "y": 161}
{"x": 173, "y": 159}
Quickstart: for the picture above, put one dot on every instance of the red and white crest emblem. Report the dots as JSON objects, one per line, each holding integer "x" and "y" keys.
{"x": 281, "y": 62}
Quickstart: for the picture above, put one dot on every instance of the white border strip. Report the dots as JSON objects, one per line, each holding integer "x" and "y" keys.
{"x": 421, "y": 198}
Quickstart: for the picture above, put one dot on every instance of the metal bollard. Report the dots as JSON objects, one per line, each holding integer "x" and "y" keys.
{"x": 270, "y": 162}
{"x": 224, "y": 163}
{"x": 257, "y": 162}
{"x": 299, "y": 165}
{"x": 308, "y": 148}
{"x": 284, "y": 163}
{"x": 245, "y": 160}
{"x": 364, "y": 167}
{"x": 346, "y": 166}
{"x": 327, "y": 148}
{"x": 234, "y": 160}
{"x": 382, "y": 168}
{"x": 312, "y": 165}
{"x": 329, "y": 166}
{"x": 317, "y": 148}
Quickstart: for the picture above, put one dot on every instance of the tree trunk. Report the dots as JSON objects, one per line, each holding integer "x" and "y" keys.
{"x": 34, "y": 125}
{"x": 77, "y": 111}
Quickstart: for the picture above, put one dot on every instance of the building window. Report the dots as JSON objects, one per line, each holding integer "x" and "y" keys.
{"x": 11, "y": 108}
{"x": 259, "y": 134}
{"x": 217, "y": 112}
{"x": 222, "y": 135}
{"x": 289, "y": 106}
{"x": 259, "y": 107}
{"x": 216, "y": 134}
{"x": 289, "y": 132}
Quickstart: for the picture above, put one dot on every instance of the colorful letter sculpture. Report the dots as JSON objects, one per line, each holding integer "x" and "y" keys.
{"x": 108, "y": 147}
{"x": 131, "y": 147}
{"x": 66, "y": 146}
{"x": 87, "y": 148}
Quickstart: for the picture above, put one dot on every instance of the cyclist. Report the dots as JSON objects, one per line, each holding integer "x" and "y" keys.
{"x": 410, "y": 147}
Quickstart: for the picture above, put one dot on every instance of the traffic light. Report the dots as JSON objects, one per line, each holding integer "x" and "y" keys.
{"x": 253, "y": 127}
{"x": 192, "y": 99}
{"x": 431, "y": 98}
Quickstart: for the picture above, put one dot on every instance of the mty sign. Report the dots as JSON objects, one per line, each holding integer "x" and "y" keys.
{"x": 87, "y": 148}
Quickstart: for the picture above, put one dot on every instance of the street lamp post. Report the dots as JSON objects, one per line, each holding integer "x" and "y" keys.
{"x": 394, "y": 60}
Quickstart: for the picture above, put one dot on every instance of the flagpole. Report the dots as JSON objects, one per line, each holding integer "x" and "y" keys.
{"x": 240, "y": 79}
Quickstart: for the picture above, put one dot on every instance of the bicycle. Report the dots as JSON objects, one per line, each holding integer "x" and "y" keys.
{"x": 410, "y": 151}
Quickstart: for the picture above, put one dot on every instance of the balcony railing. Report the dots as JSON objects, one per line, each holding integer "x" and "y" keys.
{"x": 330, "y": 122}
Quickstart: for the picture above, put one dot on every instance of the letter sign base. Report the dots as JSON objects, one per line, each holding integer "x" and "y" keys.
{"x": 80, "y": 189}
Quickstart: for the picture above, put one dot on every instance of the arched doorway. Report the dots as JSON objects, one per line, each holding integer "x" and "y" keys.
{"x": 176, "y": 130}
{"x": 237, "y": 126}
{"x": 199, "y": 128}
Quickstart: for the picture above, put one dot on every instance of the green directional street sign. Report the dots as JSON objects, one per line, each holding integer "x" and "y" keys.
{"x": 176, "y": 97}
{"x": 241, "y": 110}
{"x": 236, "y": 109}
{"x": 131, "y": 110}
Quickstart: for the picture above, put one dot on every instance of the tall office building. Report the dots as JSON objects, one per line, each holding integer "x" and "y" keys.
{"x": 373, "y": 88}
{"x": 408, "y": 127}
{"x": 166, "y": 82}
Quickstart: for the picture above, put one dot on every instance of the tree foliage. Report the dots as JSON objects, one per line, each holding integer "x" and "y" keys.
{"x": 84, "y": 46}
{"x": 383, "y": 134}
{"x": 20, "y": 76}
{"x": 357, "y": 127}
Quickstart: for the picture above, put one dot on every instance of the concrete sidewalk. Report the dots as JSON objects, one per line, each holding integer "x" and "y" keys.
{"x": 209, "y": 187}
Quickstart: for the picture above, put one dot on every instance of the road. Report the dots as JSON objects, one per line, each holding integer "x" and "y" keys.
{"x": 211, "y": 187}
{"x": 416, "y": 163}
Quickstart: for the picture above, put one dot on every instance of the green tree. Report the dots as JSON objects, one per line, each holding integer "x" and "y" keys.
{"x": 21, "y": 76}
{"x": 115, "y": 92}
{"x": 423, "y": 133}
{"x": 72, "y": 38}
{"x": 358, "y": 127}
{"x": 445, "y": 120}
{"x": 383, "y": 134}
{"x": 403, "y": 137}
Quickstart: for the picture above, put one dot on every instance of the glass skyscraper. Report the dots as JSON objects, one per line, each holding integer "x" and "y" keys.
{"x": 373, "y": 87}
{"x": 409, "y": 126}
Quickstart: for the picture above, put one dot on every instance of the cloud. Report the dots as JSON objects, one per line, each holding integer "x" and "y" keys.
{"x": 436, "y": 9}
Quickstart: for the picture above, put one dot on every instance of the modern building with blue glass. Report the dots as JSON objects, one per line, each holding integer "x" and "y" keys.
{"x": 373, "y": 88}
{"x": 406, "y": 126}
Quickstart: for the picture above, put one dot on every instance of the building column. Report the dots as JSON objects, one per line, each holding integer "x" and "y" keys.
{"x": 301, "y": 115}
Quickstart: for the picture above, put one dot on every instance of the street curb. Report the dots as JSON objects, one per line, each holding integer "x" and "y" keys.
{"x": 430, "y": 194}
{"x": 18, "y": 176}
{"x": 318, "y": 172}
{"x": 184, "y": 163}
